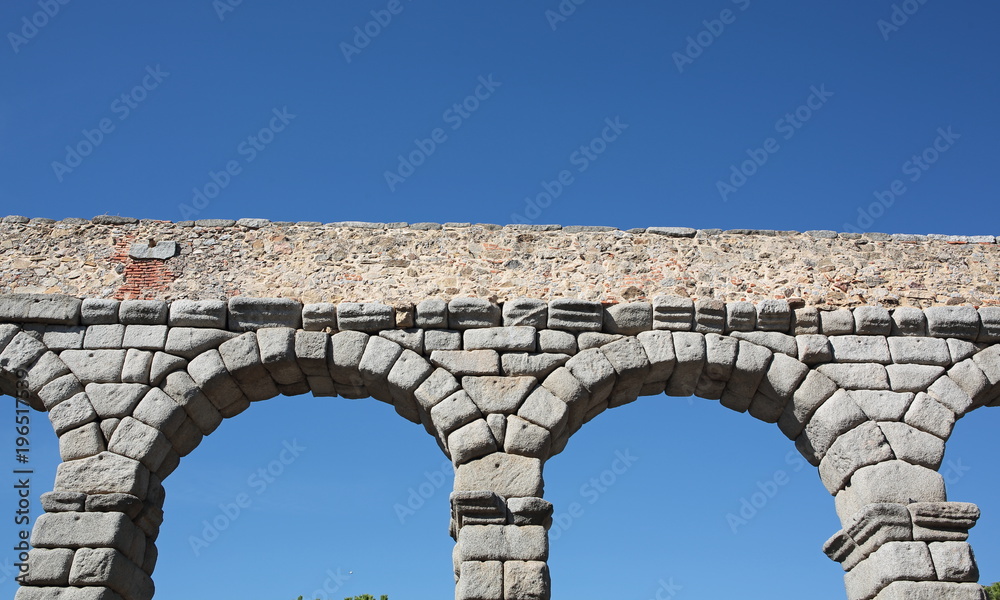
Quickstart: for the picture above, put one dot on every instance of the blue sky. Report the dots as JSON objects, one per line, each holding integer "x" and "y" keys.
{"x": 191, "y": 111}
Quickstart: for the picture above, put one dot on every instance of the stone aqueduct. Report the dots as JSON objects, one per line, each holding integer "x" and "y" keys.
{"x": 139, "y": 338}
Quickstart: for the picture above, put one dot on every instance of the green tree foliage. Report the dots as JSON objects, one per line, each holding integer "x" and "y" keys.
{"x": 993, "y": 591}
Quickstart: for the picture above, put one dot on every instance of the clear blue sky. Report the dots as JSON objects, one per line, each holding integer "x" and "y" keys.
{"x": 687, "y": 113}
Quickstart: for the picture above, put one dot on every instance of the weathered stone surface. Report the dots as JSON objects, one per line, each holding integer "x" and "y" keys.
{"x": 752, "y": 362}
{"x": 82, "y": 530}
{"x": 411, "y": 339}
{"x": 72, "y": 413}
{"x": 319, "y": 316}
{"x": 99, "y": 311}
{"x": 365, "y": 316}
{"x": 813, "y": 349}
{"x": 197, "y": 313}
{"x": 893, "y": 481}
{"x": 595, "y": 372}
{"x": 100, "y": 337}
{"x": 926, "y": 414}
{"x": 508, "y": 475}
{"x": 63, "y": 501}
{"x": 960, "y": 322}
{"x": 961, "y": 349}
{"x": 709, "y": 316}
{"x": 860, "y": 349}
{"x": 534, "y": 365}
{"x": 64, "y": 337}
{"x": 562, "y": 342}
{"x": 48, "y": 567}
{"x": 196, "y": 404}
{"x": 189, "y": 342}
{"x": 543, "y": 408}
{"x": 575, "y": 315}
{"x": 94, "y": 366}
{"x": 912, "y": 378}
{"x": 509, "y": 339}
{"x": 673, "y": 313}
{"x": 467, "y": 362}
{"x": 158, "y": 410}
{"x": 480, "y": 580}
{"x": 948, "y": 393}
{"x": 862, "y": 446}
{"x": 772, "y": 340}
{"x": 592, "y": 339}
{"x": 471, "y": 441}
{"x": 859, "y": 376}
{"x": 40, "y": 308}
{"x": 659, "y": 349}
{"x": 136, "y": 440}
{"x": 919, "y": 350}
{"x": 805, "y": 321}
{"x": 81, "y": 442}
{"x": 629, "y": 318}
{"x": 908, "y": 320}
{"x": 22, "y": 352}
{"x": 498, "y": 427}
{"x": 815, "y": 389}
{"x": 145, "y": 337}
{"x": 407, "y": 373}
{"x": 469, "y": 313}
{"x": 773, "y": 315}
{"x": 59, "y": 390}
{"x": 503, "y": 542}
{"x": 277, "y": 353}
{"x": 526, "y": 580}
{"x": 930, "y": 590}
{"x": 943, "y": 521}
{"x": 525, "y": 438}
{"x": 142, "y": 312}
{"x": 882, "y": 406}
{"x": 442, "y": 339}
{"x": 249, "y": 314}
{"x": 438, "y": 386}
{"x": 209, "y": 371}
{"x": 104, "y": 566}
{"x": 907, "y": 561}
{"x": 453, "y": 412}
{"x": 571, "y": 391}
{"x": 741, "y": 316}
{"x": 836, "y": 322}
{"x": 835, "y": 417}
{"x": 783, "y": 377}
{"x": 972, "y": 380}
{"x": 872, "y": 320}
{"x": 432, "y": 314}
{"x": 914, "y": 446}
{"x": 525, "y": 312}
{"x": 989, "y": 317}
{"x": 137, "y": 367}
{"x": 691, "y": 353}
{"x": 115, "y": 503}
{"x": 502, "y": 395}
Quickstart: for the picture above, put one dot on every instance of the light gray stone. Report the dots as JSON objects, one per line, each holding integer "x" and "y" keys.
{"x": 138, "y": 364}
{"x": 64, "y": 337}
{"x": 470, "y": 313}
{"x": 186, "y": 438}
{"x": 948, "y": 393}
{"x": 142, "y": 312}
{"x": 893, "y": 481}
{"x": 575, "y": 315}
{"x": 442, "y": 339}
{"x": 961, "y": 349}
{"x": 48, "y": 567}
{"x": 561, "y": 342}
{"x": 432, "y": 314}
{"x": 471, "y": 441}
{"x": 772, "y": 340}
{"x": 919, "y": 350}
{"x": 629, "y": 318}
{"x": 503, "y": 542}
{"x": 502, "y": 395}
{"x": 805, "y": 321}
{"x": 136, "y": 440}
{"x": 691, "y": 352}
{"x": 209, "y": 371}
{"x": 528, "y": 580}
{"x": 115, "y": 503}
{"x": 908, "y": 320}
{"x": 438, "y": 386}
{"x": 99, "y": 311}
{"x": 22, "y": 352}
{"x": 989, "y": 317}
{"x": 961, "y": 322}
{"x": 81, "y": 442}
{"x": 931, "y": 590}
{"x": 972, "y": 380}
{"x": 525, "y": 438}
{"x": 882, "y": 406}
{"x": 832, "y": 419}
{"x": 189, "y": 342}
{"x": 145, "y": 337}
{"x": 525, "y": 312}
{"x": 312, "y": 352}
{"x": 83, "y": 529}
{"x": 249, "y": 314}
{"x": 752, "y": 362}
{"x": 741, "y": 316}
{"x": 673, "y": 313}
{"x": 928, "y": 415}
{"x": 860, "y": 349}
{"x": 709, "y": 316}
{"x": 100, "y": 337}
{"x": 533, "y": 365}
{"x": 158, "y": 410}
{"x": 411, "y": 339}
{"x": 456, "y": 410}
{"x": 659, "y": 349}
{"x": 907, "y": 561}
{"x": 47, "y": 368}
{"x": 593, "y": 339}
{"x": 498, "y": 427}
{"x": 872, "y": 320}
{"x": 773, "y": 315}
{"x": 59, "y": 390}
{"x": 836, "y": 322}
{"x": 407, "y": 373}
{"x": 94, "y": 366}
{"x": 277, "y": 352}
{"x": 347, "y": 348}
{"x": 860, "y": 447}
{"x": 111, "y": 568}
{"x": 480, "y": 580}
{"x": 857, "y": 376}
{"x": 197, "y": 313}
{"x": 158, "y": 251}
{"x": 72, "y": 413}
{"x": 64, "y": 501}
{"x": 568, "y": 388}
{"x": 816, "y": 389}
{"x": 103, "y": 474}
{"x": 188, "y": 396}
{"x": 53, "y": 309}
{"x": 595, "y": 372}
{"x": 467, "y": 362}
{"x": 783, "y": 377}
{"x": 319, "y": 316}
{"x": 543, "y": 408}
{"x": 365, "y": 316}
{"x": 509, "y": 339}
{"x": 914, "y": 446}
{"x": 813, "y": 349}
{"x": 507, "y": 475}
